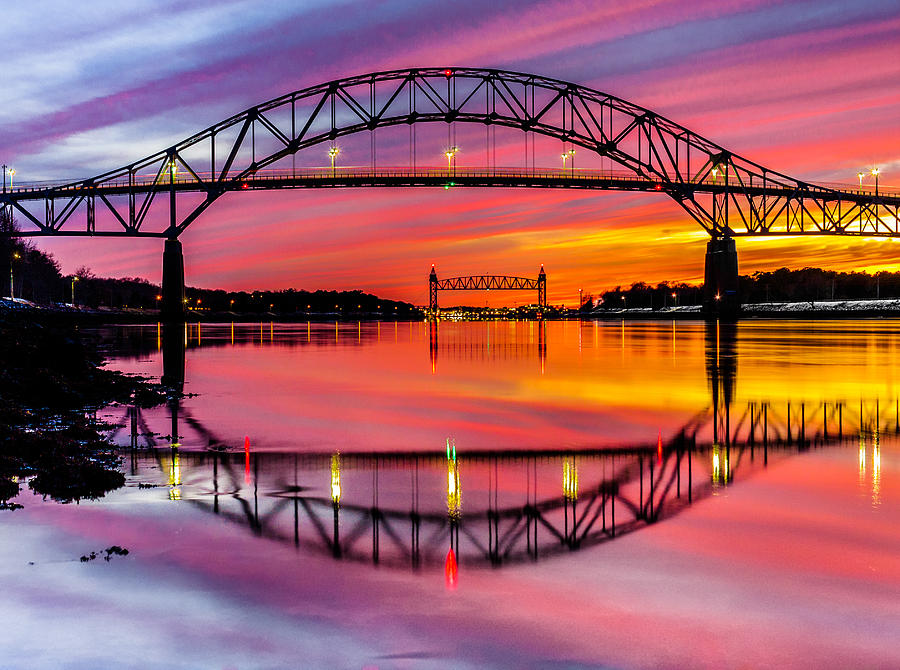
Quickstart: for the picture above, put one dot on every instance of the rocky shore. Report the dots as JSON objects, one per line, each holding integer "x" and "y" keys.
{"x": 52, "y": 381}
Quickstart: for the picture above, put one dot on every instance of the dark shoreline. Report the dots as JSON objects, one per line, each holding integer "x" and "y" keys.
{"x": 745, "y": 315}
{"x": 53, "y": 380}
{"x": 780, "y": 312}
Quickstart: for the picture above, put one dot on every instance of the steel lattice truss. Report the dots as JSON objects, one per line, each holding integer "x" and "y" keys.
{"x": 724, "y": 193}
{"x": 487, "y": 283}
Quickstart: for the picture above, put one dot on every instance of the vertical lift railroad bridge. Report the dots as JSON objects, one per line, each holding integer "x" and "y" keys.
{"x": 258, "y": 149}
{"x": 485, "y": 283}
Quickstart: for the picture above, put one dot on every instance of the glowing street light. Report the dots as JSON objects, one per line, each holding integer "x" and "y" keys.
{"x": 874, "y": 172}
{"x": 12, "y": 173}
{"x": 624, "y": 303}
{"x": 336, "y": 478}
{"x": 570, "y": 479}
{"x": 451, "y": 155}
{"x": 74, "y": 279}
{"x": 16, "y": 257}
{"x": 566, "y": 156}
{"x": 332, "y": 154}
{"x": 675, "y": 297}
{"x": 860, "y": 176}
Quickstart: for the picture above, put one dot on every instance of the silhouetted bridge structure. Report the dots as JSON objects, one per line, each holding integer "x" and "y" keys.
{"x": 729, "y": 196}
{"x": 412, "y": 508}
{"x": 485, "y": 283}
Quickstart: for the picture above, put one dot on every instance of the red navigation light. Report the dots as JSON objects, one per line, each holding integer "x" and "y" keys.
{"x": 247, "y": 477}
{"x": 658, "y": 187}
{"x": 245, "y": 185}
{"x": 448, "y": 73}
{"x": 451, "y": 571}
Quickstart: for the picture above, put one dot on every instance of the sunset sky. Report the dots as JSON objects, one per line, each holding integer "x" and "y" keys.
{"x": 809, "y": 88}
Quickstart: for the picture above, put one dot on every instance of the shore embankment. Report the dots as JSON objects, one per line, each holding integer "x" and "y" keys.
{"x": 824, "y": 309}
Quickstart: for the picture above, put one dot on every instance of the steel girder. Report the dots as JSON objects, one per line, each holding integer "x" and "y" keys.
{"x": 725, "y": 193}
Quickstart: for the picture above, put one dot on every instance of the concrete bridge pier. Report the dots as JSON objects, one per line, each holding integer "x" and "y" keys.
{"x": 172, "y": 308}
{"x": 721, "y": 297}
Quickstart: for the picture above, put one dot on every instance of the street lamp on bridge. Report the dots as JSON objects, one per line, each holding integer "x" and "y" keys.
{"x": 332, "y": 154}
{"x": 874, "y": 172}
{"x": 451, "y": 155}
{"x": 7, "y": 170}
{"x": 566, "y": 156}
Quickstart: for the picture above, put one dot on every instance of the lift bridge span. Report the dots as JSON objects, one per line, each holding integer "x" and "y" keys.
{"x": 727, "y": 195}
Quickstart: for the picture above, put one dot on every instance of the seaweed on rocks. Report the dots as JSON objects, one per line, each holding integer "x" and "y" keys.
{"x": 52, "y": 380}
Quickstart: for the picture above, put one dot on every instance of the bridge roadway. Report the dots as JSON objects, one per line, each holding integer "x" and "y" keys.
{"x": 434, "y": 177}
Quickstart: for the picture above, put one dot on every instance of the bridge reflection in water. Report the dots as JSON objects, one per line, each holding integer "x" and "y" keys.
{"x": 455, "y": 507}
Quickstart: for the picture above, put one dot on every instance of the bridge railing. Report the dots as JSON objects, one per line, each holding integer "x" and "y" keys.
{"x": 303, "y": 174}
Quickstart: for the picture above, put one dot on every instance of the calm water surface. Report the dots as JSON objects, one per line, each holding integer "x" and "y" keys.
{"x": 494, "y": 494}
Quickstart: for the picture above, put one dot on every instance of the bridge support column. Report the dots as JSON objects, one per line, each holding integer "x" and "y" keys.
{"x": 432, "y": 293}
{"x": 172, "y": 308}
{"x": 542, "y": 289}
{"x": 720, "y": 288}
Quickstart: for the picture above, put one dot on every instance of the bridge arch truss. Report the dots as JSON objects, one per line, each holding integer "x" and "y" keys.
{"x": 725, "y": 194}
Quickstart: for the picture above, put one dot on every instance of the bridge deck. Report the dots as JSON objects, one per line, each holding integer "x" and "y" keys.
{"x": 355, "y": 176}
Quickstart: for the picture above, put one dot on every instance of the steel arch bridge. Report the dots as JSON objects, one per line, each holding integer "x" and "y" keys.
{"x": 727, "y": 195}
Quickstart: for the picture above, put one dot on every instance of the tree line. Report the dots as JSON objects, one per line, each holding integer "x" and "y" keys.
{"x": 35, "y": 275}
{"x": 781, "y": 285}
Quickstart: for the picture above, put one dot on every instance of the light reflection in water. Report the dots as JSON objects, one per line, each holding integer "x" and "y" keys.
{"x": 570, "y": 479}
{"x": 175, "y": 475}
{"x": 454, "y": 494}
{"x": 871, "y": 488}
{"x": 336, "y": 478}
{"x": 862, "y": 458}
{"x": 876, "y": 471}
{"x": 721, "y": 470}
{"x": 248, "y": 479}
{"x": 451, "y": 571}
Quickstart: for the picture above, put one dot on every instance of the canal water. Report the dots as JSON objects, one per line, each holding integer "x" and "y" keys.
{"x": 487, "y": 494}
